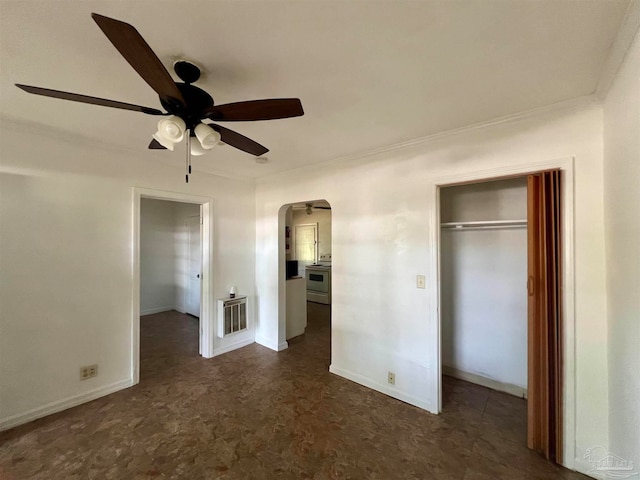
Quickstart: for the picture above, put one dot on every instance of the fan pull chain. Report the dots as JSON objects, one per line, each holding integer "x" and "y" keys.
{"x": 189, "y": 141}
{"x": 188, "y": 159}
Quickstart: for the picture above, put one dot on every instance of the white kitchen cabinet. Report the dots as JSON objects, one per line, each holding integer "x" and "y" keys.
{"x": 296, "y": 292}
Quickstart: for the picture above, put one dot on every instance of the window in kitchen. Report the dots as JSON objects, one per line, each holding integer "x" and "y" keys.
{"x": 305, "y": 243}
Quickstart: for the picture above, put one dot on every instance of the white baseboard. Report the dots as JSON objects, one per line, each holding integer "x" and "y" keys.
{"x": 509, "y": 388}
{"x": 60, "y": 405}
{"x": 264, "y": 342}
{"x": 387, "y": 390}
{"x": 233, "y": 346}
{"x": 151, "y": 311}
{"x": 270, "y": 344}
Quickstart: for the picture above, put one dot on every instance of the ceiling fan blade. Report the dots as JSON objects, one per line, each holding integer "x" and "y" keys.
{"x": 239, "y": 141}
{"x": 138, "y": 53}
{"x": 256, "y": 110}
{"x": 155, "y": 145}
{"x": 76, "y": 97}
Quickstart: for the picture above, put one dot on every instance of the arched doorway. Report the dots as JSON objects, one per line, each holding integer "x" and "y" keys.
{"x": 305, "y": 270}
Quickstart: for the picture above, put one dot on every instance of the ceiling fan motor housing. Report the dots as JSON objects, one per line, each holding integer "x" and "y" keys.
{"x": 196, "y": 99}
{"x": 196, "y": 102}
{"x": 187, "y": 71}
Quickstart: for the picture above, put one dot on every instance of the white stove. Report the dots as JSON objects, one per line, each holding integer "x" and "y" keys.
{"x": 318, "y": 277}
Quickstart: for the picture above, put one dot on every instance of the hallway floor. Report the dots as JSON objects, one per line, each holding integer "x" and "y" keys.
{"x": 257, "y": 414}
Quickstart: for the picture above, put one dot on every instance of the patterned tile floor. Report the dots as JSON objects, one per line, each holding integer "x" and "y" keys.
{"x": 257, "y": 414}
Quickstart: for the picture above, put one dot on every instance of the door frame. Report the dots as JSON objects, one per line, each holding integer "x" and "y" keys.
{"x": 206, "y": 335}
{"x": 566, "y": 165}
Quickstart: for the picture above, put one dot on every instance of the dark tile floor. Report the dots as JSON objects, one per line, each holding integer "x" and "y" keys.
{"x": 257, "y": 414}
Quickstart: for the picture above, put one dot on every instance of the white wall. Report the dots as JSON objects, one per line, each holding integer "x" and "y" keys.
{"x": 476, "y": 202}
{"x": 164, "y": 251}
{"x": 483, "y": 278}
{"x": 66, "y": 252}
{"x": 380, "y": 215}
{"x": 158, "y": 261}
{"x": 622, "y": 220}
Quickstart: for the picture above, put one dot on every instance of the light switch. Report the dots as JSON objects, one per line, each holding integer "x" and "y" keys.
{"x": 420, "y": 281}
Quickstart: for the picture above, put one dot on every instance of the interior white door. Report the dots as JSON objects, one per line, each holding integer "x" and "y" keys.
{"x": 194, "y": 267}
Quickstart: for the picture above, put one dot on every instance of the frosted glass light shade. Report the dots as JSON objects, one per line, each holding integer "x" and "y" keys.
{"x": 163, "y": 141}
{"x": 172, "y": 128}
{"x": 207, "y": 136}
{"x": 196, "y": 148}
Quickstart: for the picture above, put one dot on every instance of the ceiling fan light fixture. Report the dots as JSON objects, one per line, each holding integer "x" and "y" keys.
{"x": 196, "y": 149}
{"x": 207, "y": 136}
{"x": 158, "y": 137}
{"x": 192, "y": 103}
{"x": 172, "y": 128}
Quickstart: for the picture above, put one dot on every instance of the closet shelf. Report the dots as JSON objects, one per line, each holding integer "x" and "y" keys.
{"x": 484, "y": 225}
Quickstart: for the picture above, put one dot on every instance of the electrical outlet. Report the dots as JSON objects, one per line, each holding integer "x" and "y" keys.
{"x": 88, "y": 372}
{"x": 391, "y": 378}
{"x": 421, "y": 281}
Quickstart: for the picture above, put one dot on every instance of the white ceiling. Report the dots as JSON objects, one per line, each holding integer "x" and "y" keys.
{"x": 369, "y": 74}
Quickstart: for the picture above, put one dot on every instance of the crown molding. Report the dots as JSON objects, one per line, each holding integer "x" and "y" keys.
{"x": 90, "y": 142}
{"x": 619, "y": 48}
{"x": 566, "y": 105}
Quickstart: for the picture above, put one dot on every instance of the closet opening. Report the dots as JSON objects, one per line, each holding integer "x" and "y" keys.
{"x": 501, "y": 307}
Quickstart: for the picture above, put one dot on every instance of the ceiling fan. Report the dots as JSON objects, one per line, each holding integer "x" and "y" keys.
{"x": 186, "y": 105}
{"x": 309, "y": 207}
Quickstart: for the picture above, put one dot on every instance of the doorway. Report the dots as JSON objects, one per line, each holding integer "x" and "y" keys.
{"x": 567, "y": 361}
{"x": 306, "y": 256}
{"x": 192, "y": 250}
{"x": 170, "y": 257}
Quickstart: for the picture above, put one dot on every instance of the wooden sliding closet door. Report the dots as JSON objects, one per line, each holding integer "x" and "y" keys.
{"x": 545, "y": 315}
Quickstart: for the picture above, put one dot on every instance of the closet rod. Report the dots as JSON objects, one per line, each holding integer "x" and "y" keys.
{"x": 484, "y": 225}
